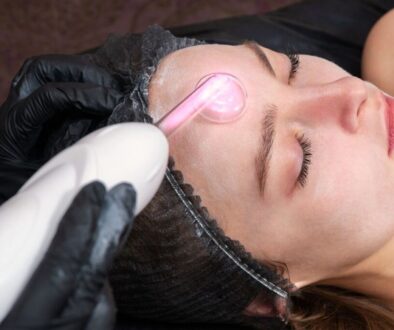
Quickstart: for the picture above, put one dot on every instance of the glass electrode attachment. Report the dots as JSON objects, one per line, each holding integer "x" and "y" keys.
{"x": 219, "y": 98}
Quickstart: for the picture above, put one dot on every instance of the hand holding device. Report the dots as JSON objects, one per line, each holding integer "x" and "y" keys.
{"x": 47, "y": 90}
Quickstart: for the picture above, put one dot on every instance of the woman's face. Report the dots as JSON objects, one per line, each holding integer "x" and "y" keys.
{"x": 320, "y": 220}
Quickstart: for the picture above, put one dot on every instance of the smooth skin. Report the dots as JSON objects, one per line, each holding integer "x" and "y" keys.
{"x": 378, "y": 55}
{"x": 338, "y": 228}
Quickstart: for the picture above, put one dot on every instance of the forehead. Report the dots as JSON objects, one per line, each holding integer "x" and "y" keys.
{"x": 178, "y": 73}
{"x": 207, "y": 59}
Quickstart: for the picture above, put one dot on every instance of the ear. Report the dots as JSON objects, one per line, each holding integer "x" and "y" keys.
{"x": 258, "y": 309}
{"x": 261, "y": 306}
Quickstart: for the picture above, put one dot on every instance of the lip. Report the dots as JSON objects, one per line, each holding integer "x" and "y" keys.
{"x": 389, "y": 116}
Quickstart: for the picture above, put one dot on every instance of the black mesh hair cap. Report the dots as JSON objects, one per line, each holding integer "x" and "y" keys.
{"x": 178, "y": 265}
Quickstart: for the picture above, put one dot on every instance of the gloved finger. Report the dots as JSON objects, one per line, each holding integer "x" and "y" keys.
{"x": 103, "y": 316}
{"x": 113, "y": 227}
{"x": 54, "y": 281}
{"x": 39, "y": 70}
{"x": 56, "y": 98}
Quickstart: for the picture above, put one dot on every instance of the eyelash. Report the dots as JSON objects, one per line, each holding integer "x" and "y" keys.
{"x": 305, "y": 144}
{"x": 295, "y": 64}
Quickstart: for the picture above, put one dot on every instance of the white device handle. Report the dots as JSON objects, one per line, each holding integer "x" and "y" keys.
{"x": 131, "y": 152}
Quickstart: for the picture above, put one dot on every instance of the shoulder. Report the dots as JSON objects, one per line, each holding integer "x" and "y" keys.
{"x": 378, "y": 53}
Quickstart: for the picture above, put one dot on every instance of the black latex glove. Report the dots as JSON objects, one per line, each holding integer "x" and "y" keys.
{"x": 67, "y": 291}
{"x": 46, "y": 91}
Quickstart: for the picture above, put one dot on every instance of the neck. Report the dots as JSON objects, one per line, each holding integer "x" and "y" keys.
{"x": 373, "y": 277}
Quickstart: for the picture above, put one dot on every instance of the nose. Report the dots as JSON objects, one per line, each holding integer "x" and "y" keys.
{"x": 338, "y": 102}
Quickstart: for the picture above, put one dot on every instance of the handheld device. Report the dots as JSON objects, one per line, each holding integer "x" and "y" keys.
{"x": 132, "y": 152}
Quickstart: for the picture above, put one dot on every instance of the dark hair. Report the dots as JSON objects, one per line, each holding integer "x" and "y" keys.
{"x": 318, "y": 307}
{"x": 174, "y": 268}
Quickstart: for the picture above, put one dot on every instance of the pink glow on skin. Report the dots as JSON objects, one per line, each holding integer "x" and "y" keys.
{"x": 219, "y": 98}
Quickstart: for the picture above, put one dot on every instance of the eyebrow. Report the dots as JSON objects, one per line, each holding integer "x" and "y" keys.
{"x": 265, "y": 146}
{"x": 267, "y": 124}
{"x": 259, "y": 52}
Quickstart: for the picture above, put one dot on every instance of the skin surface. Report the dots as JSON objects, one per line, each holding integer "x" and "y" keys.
{"x": 338, "y": 229}
{"x": 377, "y": 61}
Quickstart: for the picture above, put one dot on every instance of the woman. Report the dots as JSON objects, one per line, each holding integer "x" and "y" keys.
{"x": 302, "y": 180}
{"x": 299, "y": 187}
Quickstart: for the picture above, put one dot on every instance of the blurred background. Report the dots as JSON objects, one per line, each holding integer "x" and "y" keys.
{"x": 34, "y": 27}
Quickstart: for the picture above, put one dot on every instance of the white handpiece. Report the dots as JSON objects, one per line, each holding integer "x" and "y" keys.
{"x": 131, "y": 152}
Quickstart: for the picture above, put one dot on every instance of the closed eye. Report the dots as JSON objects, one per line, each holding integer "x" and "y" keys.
{"x": 305, "y": 144}
{"x": 294, "y": 64}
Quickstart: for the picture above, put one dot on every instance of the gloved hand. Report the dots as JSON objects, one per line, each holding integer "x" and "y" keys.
{"x": 67, "y": 291}
{"x": 46, "y": 91}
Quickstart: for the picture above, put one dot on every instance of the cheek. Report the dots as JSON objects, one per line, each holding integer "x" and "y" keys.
{"x": 345, "y": 213}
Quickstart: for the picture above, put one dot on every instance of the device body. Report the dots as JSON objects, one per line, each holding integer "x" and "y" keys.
{"x": 136, "y": 153}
